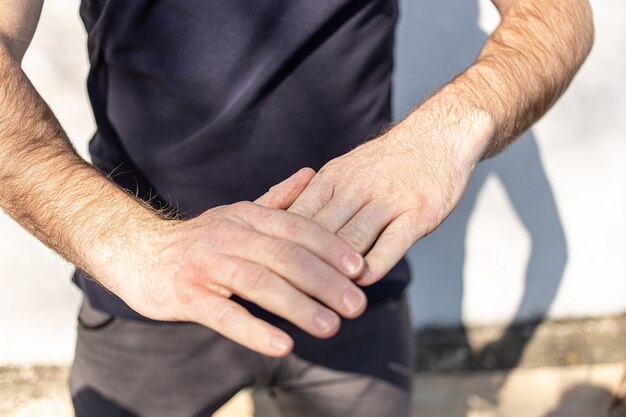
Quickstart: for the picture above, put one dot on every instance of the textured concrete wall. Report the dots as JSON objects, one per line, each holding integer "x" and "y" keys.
{"x": 538, "y": 232}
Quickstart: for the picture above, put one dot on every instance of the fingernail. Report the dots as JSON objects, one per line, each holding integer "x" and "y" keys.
{"x": 279, "y": 343}
{"x": 366, "y": 270}
{"x": 351, "y": 263}
{"x": 353, "y": 300}
{"x": 325, "y": 320}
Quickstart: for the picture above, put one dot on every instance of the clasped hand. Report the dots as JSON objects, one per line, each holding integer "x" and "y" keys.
{"x": 385, "y": 195}
{"x": 298, "y": 250}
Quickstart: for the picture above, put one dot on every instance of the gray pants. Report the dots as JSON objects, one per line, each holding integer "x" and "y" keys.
{"x": 127, "y": 368}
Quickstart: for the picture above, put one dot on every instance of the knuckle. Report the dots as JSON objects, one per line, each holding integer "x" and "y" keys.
{"x": 354, "y": 236}
{"x": 326, "y": 286}
{"x": 233, "y": 278}
{"x": 186, "y": 294}
{"x": 285, "y": 252}
{"x": 241, "y": 207}
{"x": 222, "y": 315}
{"x": 293, "y": 227}
{"x": 419, "y": 216}
{"x": 254, "y": 280}
{"x": 425, "y": 208}
{"x": 185, "y": 282}
{"x": 299, "y": 208}
{"x": 219, "y": 227}
{"x": 426, "y": 219}
{"x": 330, "y": 166}
{"x": 327, "y": 169}
{"x": 361, "y": 185}
{"x": 213, "y": 212}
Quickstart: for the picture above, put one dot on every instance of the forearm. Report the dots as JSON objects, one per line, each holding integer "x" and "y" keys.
{"x": 523, "y": 68}
{"x": 52, "y": 192}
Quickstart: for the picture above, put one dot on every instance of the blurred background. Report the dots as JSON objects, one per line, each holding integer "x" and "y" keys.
{"x": 518, "y": 301}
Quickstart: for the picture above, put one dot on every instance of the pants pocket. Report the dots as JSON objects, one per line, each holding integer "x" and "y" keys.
{"x": 91, "y": 319}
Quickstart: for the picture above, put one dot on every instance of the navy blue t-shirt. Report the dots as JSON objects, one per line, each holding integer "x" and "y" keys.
{"x": 200, "y": 103}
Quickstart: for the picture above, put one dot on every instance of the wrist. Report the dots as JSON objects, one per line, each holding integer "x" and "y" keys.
{"x": 475, "y": 136}
{"x": 460, "y": 131}
{"x": 123, "y": 244}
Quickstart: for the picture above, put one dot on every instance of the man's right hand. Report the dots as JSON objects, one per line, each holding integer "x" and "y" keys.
{"x": 166, "y": 270}
{"x": 276, "y": 259}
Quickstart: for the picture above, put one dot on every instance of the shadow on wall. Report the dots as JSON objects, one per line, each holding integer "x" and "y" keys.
{"x": 436, "y": 40}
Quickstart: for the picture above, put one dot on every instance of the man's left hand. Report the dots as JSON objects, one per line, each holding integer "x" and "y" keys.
{"x": 391, "y": 191}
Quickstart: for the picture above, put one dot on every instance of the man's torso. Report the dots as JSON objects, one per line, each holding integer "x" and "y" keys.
{"x": 202, "y": 103}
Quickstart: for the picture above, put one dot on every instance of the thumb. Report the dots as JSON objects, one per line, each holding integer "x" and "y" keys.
{"x": 283, "y": 194}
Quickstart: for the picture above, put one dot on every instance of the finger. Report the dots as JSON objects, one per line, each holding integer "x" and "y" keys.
{"x": 283, "y": 194}
{"x": 263, "y": 287}
{"x": 234, "y": 322}
{"x": 307, "y": 234}
{"x": 302, "y": 269}
{"x": 338, "y": 211}
{"x": 312, "y": 199}
{"x": 366, "y": 225}
{"x": 391, "y": 246}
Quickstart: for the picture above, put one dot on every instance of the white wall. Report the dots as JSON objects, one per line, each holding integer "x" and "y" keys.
{"x": 540, "y": 229}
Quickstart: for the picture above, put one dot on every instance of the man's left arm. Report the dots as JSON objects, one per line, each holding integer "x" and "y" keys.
{"x": 397, "y": 188}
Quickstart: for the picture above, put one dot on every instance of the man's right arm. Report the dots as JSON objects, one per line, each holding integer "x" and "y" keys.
{"x": 44, "y": 185}
{"x": 165, "y": 269}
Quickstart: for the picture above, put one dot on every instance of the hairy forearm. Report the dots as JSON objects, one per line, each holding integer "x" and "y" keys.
{"x": 52, "y": 192}
{"x": 523, "y": 68}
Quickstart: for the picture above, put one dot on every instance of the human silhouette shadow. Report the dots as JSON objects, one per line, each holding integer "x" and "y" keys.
{"x": 436, "y": 40}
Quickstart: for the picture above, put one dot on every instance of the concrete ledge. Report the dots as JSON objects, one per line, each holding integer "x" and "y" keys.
{"x": 534, "y": 344}
{"x": 564, "y": 368}
{"x": 34, "y": 391}
{"x": 572, "y": 391}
